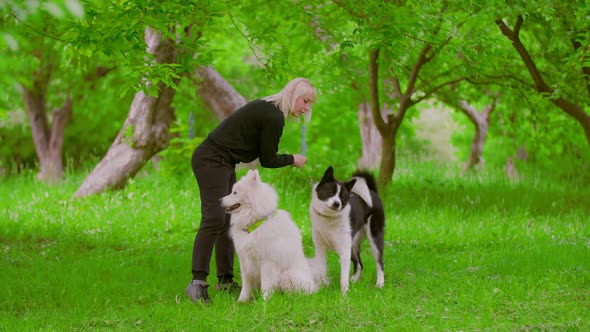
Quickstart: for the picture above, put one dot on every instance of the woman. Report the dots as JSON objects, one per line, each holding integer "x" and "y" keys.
{"x": 253, "y": 131}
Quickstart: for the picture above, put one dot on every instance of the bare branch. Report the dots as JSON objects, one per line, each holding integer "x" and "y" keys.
{"x": 496, "y": 78}
{"x": 438, "y": 87}
{"x": 518, "y": 25}
{"x": 574, "y": 110}
{"x": 422, "y": 60}
{"x": 374, "y": 88}
{"x": 251, "y": 44}
{"x": 489, "y": 108}
{"x": 397, "y": 87}
{"x": 34, "y": 29}
{"x": 585, "y": 69}
{"x": 436, "y": 77}
{"x": 540, "y": 84}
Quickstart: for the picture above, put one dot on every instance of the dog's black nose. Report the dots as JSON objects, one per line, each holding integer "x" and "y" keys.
{"x": 336, "y": 205}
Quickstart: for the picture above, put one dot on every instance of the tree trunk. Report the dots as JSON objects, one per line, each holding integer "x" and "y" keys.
{"x": 388, "y": 159}
{"x": 389, "y": 126}
{"x": 481, "y": 121}
{"x": 370, "y": 139}
{"x": 53, "y": 169}
{"x": 479, "y": 138}
{"x": 145, "y": 131}
{"x": 48, "y": 142}
{"x": 217, "y": 93}
{"x": 34, "y": 100}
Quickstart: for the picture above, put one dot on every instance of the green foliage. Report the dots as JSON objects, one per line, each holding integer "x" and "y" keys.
{"x": 128, "y": 135}
{"x": 259, "y": 45}
{"x": 108, "y": 36}
{"x": 176, "y": 159}
{"x": 16, "y": 150}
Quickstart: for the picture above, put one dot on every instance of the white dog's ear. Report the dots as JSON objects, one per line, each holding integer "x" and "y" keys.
{"x": 254, "y": 176}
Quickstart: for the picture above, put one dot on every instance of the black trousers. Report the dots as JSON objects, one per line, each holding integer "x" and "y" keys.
{"x": 215, "y": 176}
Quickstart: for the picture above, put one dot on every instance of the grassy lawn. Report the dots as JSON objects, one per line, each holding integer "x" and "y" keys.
{"x": 462, "y": 253}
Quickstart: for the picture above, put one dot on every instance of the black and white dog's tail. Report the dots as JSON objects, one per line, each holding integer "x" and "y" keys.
{"x": 365, "y": 183}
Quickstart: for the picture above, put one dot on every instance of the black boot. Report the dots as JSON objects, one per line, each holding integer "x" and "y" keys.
{"x": 229, "y": 287}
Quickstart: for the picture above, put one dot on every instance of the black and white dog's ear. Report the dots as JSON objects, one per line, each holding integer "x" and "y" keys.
{"x": 328, "y": 174}
{"x": 350, "y": 184}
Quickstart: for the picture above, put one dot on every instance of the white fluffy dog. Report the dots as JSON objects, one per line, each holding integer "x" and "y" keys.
{"x": 267, "y": 241}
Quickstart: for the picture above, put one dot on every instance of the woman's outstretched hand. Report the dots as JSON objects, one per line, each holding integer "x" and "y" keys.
{"x": 299, "y": 160}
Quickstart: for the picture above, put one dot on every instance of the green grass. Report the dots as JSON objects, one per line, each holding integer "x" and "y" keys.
{"x": 462, "y": 253}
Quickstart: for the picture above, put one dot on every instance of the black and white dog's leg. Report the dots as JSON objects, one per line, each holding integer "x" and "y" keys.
{"x": 357, "y": 264}
{"x": 319, "y": 263}
{"x": 376, "y": 239}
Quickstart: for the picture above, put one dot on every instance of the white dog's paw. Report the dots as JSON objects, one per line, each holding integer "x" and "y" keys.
{"x": 266, "y": 294}
{"x": 243, "y": 297}
{"x": 355, "y": 277}
{"x": 344, "y": 288}
{"x": 380, "y": 279}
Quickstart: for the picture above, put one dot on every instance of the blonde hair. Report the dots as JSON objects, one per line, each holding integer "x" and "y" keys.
{"x": 285, "y": 99}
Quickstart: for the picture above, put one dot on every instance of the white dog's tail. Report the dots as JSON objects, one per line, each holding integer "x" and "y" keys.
{"x": 365, "y": 182}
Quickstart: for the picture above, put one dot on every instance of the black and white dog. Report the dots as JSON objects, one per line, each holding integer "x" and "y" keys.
{"x": 342, "y": 215}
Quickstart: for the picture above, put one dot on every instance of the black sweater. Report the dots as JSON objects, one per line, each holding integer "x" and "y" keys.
{"x": 253, "y": 131}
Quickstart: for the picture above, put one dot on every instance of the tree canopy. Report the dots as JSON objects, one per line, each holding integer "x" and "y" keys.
{"x": 72, "y": 69}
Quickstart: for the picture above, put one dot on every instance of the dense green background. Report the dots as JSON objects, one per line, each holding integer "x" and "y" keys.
{"x": 258, "y": 45}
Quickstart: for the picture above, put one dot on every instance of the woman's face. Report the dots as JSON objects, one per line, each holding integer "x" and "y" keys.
{"x": 302, "y": 105}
